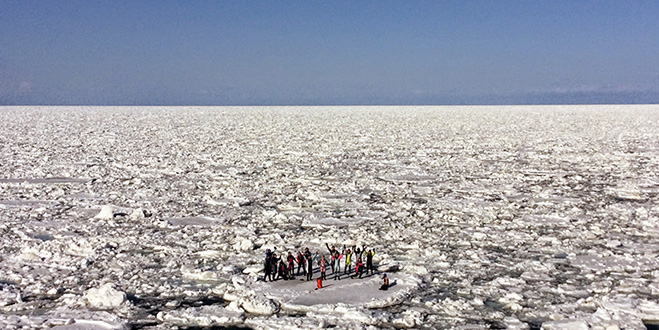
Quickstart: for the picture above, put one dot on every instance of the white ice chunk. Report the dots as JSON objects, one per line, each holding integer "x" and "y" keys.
{"x": 137, "y": 214}
{"x": 107, "y": 213}
{"x": 105, "y": 297}
{"x": 259, "y": 305}
{"x": 244, "y": 245}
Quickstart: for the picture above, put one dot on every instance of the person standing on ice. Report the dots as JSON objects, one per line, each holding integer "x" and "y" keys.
{"x": 310, "y": 264}
{"x": 348, "y": 265}
{"x": 275, "y": 266}
{"x": 301, "y": 264}
{"x": 331, "y": 253}
{"x": 369, "y": 260}
{"x": 291, "y": 264}
{"x": 337, "y": 258}
{"x": 323, "y": 268}
{"x": 268, "y": 266}
{"x": 359, "y": 268}
{"x": 309, "y": 258}
{"x": 358, "y": 252}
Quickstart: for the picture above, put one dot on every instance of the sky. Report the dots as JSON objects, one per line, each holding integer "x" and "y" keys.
{"x": 244, "y": 52}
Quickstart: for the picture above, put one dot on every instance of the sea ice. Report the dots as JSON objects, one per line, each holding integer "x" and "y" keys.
{"x": 517, "y": 216}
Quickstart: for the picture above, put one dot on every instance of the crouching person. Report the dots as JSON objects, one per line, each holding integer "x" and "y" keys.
{"x": 385, "y": 283}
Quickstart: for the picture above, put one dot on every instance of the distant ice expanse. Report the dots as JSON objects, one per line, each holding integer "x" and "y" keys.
{"x": 504, "y": 216}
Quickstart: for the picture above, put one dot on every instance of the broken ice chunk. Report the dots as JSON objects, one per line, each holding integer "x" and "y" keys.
{"x": 105, "y": 297}
{"x": 106, "y": 213}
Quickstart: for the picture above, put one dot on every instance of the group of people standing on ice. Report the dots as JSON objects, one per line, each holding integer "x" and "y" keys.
{"x": 277, "y": 267}
{"x": 350, "y": 257}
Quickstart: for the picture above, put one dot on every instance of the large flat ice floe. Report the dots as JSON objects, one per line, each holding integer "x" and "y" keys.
{"x": 525, "y": 217}
{"x": 350, "y": 291}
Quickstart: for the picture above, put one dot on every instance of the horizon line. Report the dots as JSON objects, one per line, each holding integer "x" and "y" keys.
{"x": 321, "y": 105}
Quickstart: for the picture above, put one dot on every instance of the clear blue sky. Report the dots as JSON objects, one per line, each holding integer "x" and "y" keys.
{"x": 328, "y": 52}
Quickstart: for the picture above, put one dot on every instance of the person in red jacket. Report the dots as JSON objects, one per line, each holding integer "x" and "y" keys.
{"x": 291, "y": 264}
{"x": 300, "y": 264}
{"x": 359, "y": 268}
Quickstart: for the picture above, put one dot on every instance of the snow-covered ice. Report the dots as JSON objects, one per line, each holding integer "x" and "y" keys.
{"x": 520, "y": 217}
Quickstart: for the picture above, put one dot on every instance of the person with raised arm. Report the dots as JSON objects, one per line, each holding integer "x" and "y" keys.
{"x": 348, "y": 261}
{"x": 337, "y": 257}
{"x": 331, "y": 253}
{"x": 361, "y": 251}
{"x": 369, "y": 260}
{"x": 314, "y": 257}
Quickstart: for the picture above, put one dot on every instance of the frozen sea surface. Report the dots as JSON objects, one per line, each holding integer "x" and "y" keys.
{"x": 519, "y": 217}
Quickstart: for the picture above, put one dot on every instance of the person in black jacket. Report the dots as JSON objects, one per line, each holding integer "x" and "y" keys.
{"x": 268, "y": 266}
{"x": 309, "y": 258}
{"x": 283, "y": 270}
{"x": 369, "y": 260}
{"x": 332, "y": 252}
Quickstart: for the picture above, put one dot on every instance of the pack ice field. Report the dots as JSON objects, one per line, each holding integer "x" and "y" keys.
{"x": 520, "y": 217}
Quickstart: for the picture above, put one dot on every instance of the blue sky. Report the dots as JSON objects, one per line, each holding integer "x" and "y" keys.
{"x": 328, "y": 52}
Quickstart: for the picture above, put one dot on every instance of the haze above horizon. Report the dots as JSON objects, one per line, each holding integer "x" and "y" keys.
{"x": 328, "y": 53}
